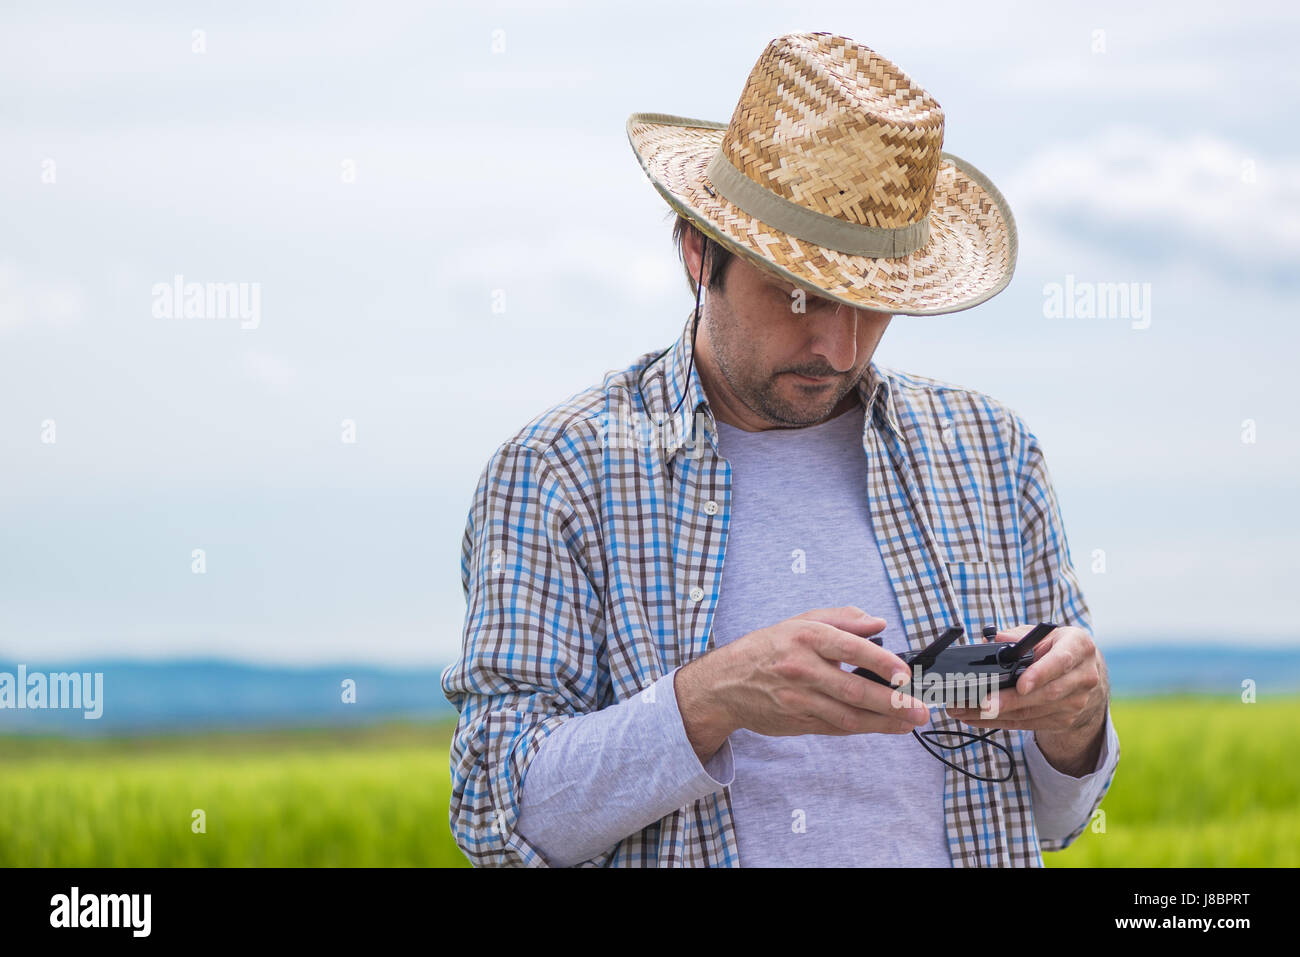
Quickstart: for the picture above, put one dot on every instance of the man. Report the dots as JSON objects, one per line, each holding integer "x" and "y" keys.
{"x": 627, "y": 696}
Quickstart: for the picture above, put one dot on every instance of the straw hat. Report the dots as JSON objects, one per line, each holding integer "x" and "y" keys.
{"x": 831, "y": 175}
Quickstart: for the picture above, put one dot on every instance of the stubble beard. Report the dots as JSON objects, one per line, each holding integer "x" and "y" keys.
{"x": 760, "y": 394}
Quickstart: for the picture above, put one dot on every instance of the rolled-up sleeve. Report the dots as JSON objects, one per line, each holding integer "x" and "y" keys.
{"x": 600, "y": 777}
{"x": 528, "y": 658}
{"x": 1063, "y": 805}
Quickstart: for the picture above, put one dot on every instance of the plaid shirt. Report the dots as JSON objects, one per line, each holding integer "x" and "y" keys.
{"x": 591, "y": 564}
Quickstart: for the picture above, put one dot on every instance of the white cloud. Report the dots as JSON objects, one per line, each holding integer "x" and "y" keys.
{"x": 645, "y": 265}
{"x": 1199, "y": 189}
{"x": 1097, "y": 74}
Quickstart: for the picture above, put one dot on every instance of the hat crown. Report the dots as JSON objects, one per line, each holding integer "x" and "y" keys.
{"x": 830, "y": 125}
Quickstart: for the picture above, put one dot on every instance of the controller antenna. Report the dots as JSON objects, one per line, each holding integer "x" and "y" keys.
{"x": 1025, "y": 646}
{"x": 930, "y": 652}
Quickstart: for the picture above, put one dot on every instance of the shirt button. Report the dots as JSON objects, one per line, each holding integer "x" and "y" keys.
{"x": 710, "y": 507}
{"x": 697, "y": 593}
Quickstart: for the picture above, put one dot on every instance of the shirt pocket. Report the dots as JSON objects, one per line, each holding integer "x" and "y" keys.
{"x": 985, "y": 594}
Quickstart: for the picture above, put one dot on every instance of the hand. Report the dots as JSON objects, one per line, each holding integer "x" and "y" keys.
{"x": 1062, "y": 697}
{"x": 786, "y": 679}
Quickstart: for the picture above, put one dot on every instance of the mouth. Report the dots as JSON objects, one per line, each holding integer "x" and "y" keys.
{"x": 813, "y": 381}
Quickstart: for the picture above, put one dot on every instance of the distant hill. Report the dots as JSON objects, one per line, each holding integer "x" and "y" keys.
{"x": 1214, "y": 669}
{"x": 199, "y": 694}
{"x": 208, "y": 694}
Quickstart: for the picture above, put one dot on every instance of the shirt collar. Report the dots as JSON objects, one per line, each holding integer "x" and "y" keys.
{"x": 876, "y": 390}
{"x": 675, "y": 372}
{"x": 662, "y": 384}
{"x": 680, "y": 363}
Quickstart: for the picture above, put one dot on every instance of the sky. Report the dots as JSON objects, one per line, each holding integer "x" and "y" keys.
{"x": 383, "y": 178}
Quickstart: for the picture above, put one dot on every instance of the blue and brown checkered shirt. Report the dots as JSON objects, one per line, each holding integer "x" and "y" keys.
{"x": 592, "y": 559}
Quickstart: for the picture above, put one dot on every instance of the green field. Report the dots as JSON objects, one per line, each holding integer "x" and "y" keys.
{"x": 1201, "y": 781}
{"x": 356, "y": 797}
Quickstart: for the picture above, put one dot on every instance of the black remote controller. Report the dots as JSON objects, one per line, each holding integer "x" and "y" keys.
{"x": 961, "y": 675}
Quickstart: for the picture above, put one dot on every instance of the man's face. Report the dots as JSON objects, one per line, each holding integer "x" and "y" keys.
{"x": 765, "y": 364}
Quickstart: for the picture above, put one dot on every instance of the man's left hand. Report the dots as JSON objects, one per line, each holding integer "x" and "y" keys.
{"x": 1062, "y": 697}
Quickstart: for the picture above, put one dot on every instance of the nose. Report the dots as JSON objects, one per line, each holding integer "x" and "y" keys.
{"x": 835, "y": 337}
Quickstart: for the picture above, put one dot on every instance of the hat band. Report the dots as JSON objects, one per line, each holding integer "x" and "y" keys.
{"x": 803, "y": 223}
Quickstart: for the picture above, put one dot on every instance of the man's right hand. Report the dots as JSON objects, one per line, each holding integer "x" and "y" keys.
{"x": 786, "y": 679}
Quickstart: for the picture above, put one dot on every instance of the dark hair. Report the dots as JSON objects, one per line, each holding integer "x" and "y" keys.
{"x": 715, "y": 262}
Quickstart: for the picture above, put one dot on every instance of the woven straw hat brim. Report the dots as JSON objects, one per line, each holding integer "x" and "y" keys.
{"x": 969, "y": 258}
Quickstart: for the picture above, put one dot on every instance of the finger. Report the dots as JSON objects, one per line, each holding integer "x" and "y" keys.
{"x": 1010, "y": 701}
{"x": 1018, "y": 714}
{"x": 1040, "y": 649}
{"x": 843, "y": 718}
{"x": 835, "y": 645}
{"x": 1014, "y": 634}
{"x": 859, "y": 692}
{"x": 848, "y": 618}
{"x": 1033, "y": 715}
{"x": 1064, "y": 655}
{"x": 1037, "y": 719}
{"x": 1005, "y": 701}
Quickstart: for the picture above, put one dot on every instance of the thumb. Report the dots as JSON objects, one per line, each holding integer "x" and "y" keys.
{"x": 1013, "y": 634}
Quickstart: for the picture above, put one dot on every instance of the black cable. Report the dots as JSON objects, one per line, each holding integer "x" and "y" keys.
{"x": 695, "y": 326}
{"x": 955, "y": 747}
